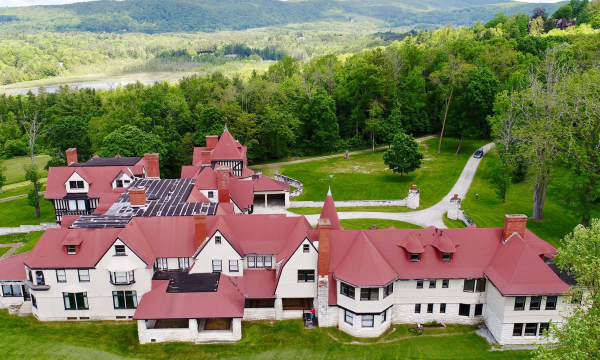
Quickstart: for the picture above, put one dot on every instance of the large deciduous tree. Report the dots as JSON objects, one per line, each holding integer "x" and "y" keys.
{"x": 404, "y": 155}
{"x": 130, "y": 141}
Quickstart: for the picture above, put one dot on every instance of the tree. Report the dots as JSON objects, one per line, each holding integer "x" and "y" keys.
{"x": 320, "y": 126}
{"x": 374, "y": 120}
{"x": 70, "y": 132}
{"x": 579, "y": 336}
{"x": 563, "y": 12}
{"x": 128, "y": 141}
{"x": 34, "y": 130}
{"x": 404, "y": 155}
{"x": 448, "y": 79}
{"x": 2, "y": 176}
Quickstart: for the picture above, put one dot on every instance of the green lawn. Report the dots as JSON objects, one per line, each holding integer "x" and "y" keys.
{"x": 29, "y": 240}
{"x": 365, "y": 176}
{"x": 453, "y": 224}
{"x": 487, "y": 211}
{"x": 17, "y": 212}
{"x": 14, "y": 170}
{"x": 25, "y": 337}
{"x": 3, "y": 250}
{"x": 388, "y": 209}
{"x": 360, "y": 224}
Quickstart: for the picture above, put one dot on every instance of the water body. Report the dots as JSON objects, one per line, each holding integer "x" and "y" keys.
{"x": 100, "y": 81}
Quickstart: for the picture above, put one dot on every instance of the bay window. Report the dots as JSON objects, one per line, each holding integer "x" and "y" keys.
{"x": 369, "y": 294}
{"x": 347, "y": 290}
{"x": 367, "y": 321}
{"x": 122, "y": 277}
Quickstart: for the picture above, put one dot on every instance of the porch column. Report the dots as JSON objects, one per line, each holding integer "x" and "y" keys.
{"x": 193, "y": 326}
{"x": 265, "y": 200}
{"x": 141, "y": 324}
{"x": 278, "y": 309}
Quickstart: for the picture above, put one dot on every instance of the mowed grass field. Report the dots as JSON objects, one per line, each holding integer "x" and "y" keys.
{"x": 366, "y": 177}
{"x": 17, "y": 212}
{"x": 364, "y": 224}
{"x": 14, "y": 168}
{"x": 488, "y": 211}
{"x": 26, "y": 337}
{"x": 29, "y": 240}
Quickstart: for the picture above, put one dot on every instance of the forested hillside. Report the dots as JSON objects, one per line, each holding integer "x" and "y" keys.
{"x": 152, "y": 16}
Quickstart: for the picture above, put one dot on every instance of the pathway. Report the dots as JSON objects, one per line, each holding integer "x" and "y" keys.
{"x": 432, "y": 216}
{"x": 15, "y": 197}
{"x": 13, "y": 247}
{"x": 278, "y": 164}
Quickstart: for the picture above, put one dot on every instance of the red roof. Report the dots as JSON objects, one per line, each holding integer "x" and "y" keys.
{"x": 207, "y": 180}
{"x": 190, "y": 172}
{"x": 246, "y": 172}
{"x": 173, "y": 236}
{"x": 12, "y": 268}
{"x": 516, "y": 270}
{"x": 225, "y": 209}
{"x": 99, "y": 179}
{"x": 227, "y": 149}
{"x": 197, "y": 197}
{"x": 226, "y": 302}
{"x": 257, "y": 284}
{"x": 264, "y": 183}
{"x": 330, "y": 212}
{"x": 363, "y": 265}
{"x": 197, "y": 157}
{"x": 241, "y": 192}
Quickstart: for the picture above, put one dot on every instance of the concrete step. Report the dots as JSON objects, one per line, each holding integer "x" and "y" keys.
{"x": 25, "y": 309}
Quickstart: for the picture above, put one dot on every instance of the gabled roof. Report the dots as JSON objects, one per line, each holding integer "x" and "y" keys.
{"x": 226, "y": 148}
{"x": 241, "y": 192}
{"x": 12, "y": 268}
{"x": 107, "y": 161}
{"x": 226, "y": 302}
{"x": 197, "y": 157}
{"x": 516, "y": 270}
{"x": 330, "y": 212}
{"x": 363, "y": 264}
{"x": 207, "y": 180}
{"x": 264, "y": 183}
{"x": 190, "y": 171}
{"x": 197, "y": 197}
{"x": 443, "y": 243}
{"x": 257, "y": 284}
{"x": 246, "y": 172}
{"x": 412, "y": 244}
{"x": 99, "y": 179}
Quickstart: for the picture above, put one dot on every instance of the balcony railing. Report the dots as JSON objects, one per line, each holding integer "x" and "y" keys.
{"x": 32, "y": 286}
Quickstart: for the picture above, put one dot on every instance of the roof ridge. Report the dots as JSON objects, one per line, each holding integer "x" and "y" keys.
{"x": 370, "y": 243}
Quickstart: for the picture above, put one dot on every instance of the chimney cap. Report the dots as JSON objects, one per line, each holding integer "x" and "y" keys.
{"x": 414, "y": 186}
{"x": 324, "y": 222}
{"x": 515, "y": 216}
{"x": 456, "y": 196}
{"x": 72, "y": 149}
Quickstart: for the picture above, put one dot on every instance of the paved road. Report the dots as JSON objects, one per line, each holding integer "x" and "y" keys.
{"x": 278, "y": 164}
{"x": 431, "y": 216}
{"x": 19, "y": 196}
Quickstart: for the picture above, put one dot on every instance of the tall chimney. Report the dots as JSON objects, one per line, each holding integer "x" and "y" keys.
{"x": 223, "y": 184}
{"x": 205, "y": 157}
{"x": 152, "y": 166}
{"x": 324, "y": 227}
{"x": 137, "y": 196}
{"x": 514, "y": 224}
{"x": 211, "y": 142}
{"x": 71, "y": 156}
{"x": 199, "y": 229}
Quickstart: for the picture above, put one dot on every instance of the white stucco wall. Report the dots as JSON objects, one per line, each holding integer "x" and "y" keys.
{"x": 356, "y": 328}
{"x": 364, "y": 306}
{"x": 76, "y": 177}
{"x": 7, "y": 301}
{"x": 212, "y": 251}
{"x": 288, "y": 285}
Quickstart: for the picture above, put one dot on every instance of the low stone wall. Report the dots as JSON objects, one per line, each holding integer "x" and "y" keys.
{"x": 23, "y": 229}
{"x": 455, "y": 212}
{"x": 464, "y": 218}
{"x": 348, "y": 203}
{"x": 259, "y": 314}
{"x": 292, "y": 182}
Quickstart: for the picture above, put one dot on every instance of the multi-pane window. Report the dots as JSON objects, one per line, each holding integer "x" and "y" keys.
{"x": 211, "y": 194}
{"x": 218, "y": 240}
{"x": 388, "y": 290}
{"x": 78, "y": 184}
{"x": 535, "y": 303}
{"x": 419, "y": 284}
{"x": 76, "y": 205}
{"x": 125, "y": 299}
{"x": 384, "y": 316}
{"x": 480, "y": 286}
{"x": 478, "y": 309}
{"x": 120, "y": 250}
{"x": 119, "y": 183}
{"x": 39, "y": 278}
{"x": 349, "y": 317}
{"x": 430, "y": 308}
{"x": 76, "y": 301}
{"x": 84, "y": 275}
{"x": 216, "y": 266}
{"x": 531, "y": 329}
{"x": 122, "y": 277}
{"x": 306, "y": 248}
{"x": 347, "y": 290}
{"x": 551, "y": 302}
{"x": 306, "y": 276}
{"x": 367, "y": 320}
{"x": 443, "y": 308}
{"x": 432, "y": 284}
{"x": 161, "y": 264}
{"x": 33, "y": 301}
{"x": 464, "y": 309}
{"x": 260, "y": 261}
{"x": 61, "y": 276}
{"x": 446, "y": 256}
{"x": 184, "y": 263}
{"x": 417, "y": 308}
{"x": 233, "y": 266}
{"x": 71, "y": 250}
{"x": 415, "y": 257}
{"x": 520, "y": 303}
{"x": 544, "y": 327}
{"x": 369, "y": 294}
{"x": 11, "y": 290}
{"x": 518, "y": 329}
{"x": 474, "y": 285}
{"x": 445, "y": 283}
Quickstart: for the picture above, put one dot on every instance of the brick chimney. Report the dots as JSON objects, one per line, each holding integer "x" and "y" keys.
{"x": 514, "y": 224}
{"x": 205, "y": 157}
{"x": 71, "y": 156}
{"x": 211, "y": 142}
{"x": 199, "y": 229}
{"x": 223, "y": 184}
{"x": 324, "y": 227}
{"x": 137, "y": 196}
{"x": 152, "y": 166}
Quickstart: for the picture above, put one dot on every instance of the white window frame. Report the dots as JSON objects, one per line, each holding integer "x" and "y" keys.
{"x": 367, "y": 321}
{"x": 217, "y": 266}
{"x": 84, "y": 275}
{"x": 234, "y": 268}
{"x": 61, "y": 275}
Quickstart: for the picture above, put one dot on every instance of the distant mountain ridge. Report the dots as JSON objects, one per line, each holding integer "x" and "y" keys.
{"x": 155, "y": 16}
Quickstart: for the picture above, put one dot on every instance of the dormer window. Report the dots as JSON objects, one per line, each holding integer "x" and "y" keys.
{"x": 446, "y": 256}
{"x": 415, "y": 257}
{"x": 74, "y": 185}
{"x": 120, "y": 250}
{"x": 71, "y": 249}
{"x": 119, "y": 183}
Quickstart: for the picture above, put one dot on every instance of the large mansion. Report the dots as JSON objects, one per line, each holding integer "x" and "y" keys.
{"x": 188, "y": 260}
